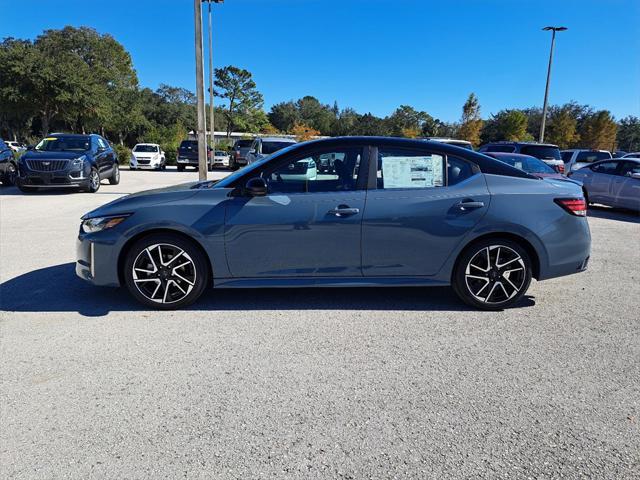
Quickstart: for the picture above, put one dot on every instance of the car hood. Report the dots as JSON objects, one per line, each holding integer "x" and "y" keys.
{"x": 135, "y": 201}
{"x": 34, "y": 155}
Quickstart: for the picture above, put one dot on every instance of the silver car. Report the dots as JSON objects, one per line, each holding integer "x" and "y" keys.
{"x": 614, "y": 182}
{"x": 265, "y": 146}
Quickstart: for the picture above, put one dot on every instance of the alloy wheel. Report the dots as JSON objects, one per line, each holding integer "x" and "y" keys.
{"x": 495, "y": 274}
{"x": 164, "y": 273}
{"x": 94, "y": 179}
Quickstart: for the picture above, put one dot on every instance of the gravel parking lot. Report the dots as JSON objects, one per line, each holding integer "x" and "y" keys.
{"x": 364, "y": 383}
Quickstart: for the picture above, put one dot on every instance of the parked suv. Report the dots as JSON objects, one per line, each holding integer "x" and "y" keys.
{"x": 579, "y": 157}
{"x": 66, "y": 160}
{"x": 239, "y": 153}
{"x": 548, "y": 153}
{"x": 188, "y": 155}
{"x": 7, "y": 164}
{"x": 262, "y": 147}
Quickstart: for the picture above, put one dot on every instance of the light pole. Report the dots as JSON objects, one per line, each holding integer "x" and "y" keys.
{"x": 211, "y": 94}
{"x": 202, "y": 134}
{"x": 546, "y": 91}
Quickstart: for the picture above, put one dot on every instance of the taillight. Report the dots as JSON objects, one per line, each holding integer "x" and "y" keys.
{"x": 575, "y": 206}
{"x": 560, "y": 168}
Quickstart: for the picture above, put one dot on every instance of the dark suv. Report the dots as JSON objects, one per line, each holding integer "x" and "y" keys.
{"x": 548, "y": 153}
{"x": 188, "y": 155}
{"x": 7, "y": 164}
{"x": 66, "y": 160}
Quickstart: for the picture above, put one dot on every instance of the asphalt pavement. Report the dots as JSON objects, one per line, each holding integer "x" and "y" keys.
{"x": 326, "y": 383}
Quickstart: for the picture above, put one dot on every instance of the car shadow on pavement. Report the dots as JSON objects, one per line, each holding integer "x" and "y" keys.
{"x": 57, "y": 289}
{"x": 610, "y": 213}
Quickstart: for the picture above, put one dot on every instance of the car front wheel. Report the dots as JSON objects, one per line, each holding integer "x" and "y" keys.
{"x": 93, "y": 183}
{"x": 9, "y": 177}
{"x": 114, "y": 179}
{"x": 492, "y": 274}
{"x": 166, "y": 271}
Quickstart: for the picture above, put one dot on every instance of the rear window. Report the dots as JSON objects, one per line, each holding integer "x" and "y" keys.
{"x": 189, "y": 144}
{"x": 243, "y": 143}
{"x": 272, "y": 147}
{"x": 588, "y": 157}
{"x": 566, "y": 156}
{"x": 499, "y": 148}
{"x": 542, "y": 152}
{"x": 528, "y": 164}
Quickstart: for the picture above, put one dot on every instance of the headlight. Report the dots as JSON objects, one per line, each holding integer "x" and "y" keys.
{"x": 97, "y": 224}
{"x": 78, "y": 162}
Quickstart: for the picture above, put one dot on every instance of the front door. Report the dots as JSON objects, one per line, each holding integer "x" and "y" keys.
{"x": 599, "y": 186}
{"x": 423, "y": 207}
{"x": 309, "y": 224}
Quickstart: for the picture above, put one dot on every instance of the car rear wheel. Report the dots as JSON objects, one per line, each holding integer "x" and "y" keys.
{"x": 181, "y": 168}
{"x": 114, "y": 179}
{"x": 492, "y": 274}
{"x": 166, "y": 271}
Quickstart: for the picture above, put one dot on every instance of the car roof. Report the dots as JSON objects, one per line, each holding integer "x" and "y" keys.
{"x": 150, "y": 144}
{"x": 508, "y": 142}
{"x": 277, "y": 139}
{"x": 508, "y": 154}
{"x": 585, "y": 150}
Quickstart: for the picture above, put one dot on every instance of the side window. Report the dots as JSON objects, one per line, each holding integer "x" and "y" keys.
{"x": 629, "y": 168}
{"x": 608, "y": 168}
{"x": 102, "y": 143}
{"x": 566, "y": 156}
{"x": 339, "y": 172}
{"x": 407, "y": 168}
{"x": 458, "y": 170}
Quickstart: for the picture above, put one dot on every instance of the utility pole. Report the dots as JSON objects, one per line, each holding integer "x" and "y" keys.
{"x": 202, "y": 134}
{"x": 546, "y": 91}
{"x": 211, "y": 95}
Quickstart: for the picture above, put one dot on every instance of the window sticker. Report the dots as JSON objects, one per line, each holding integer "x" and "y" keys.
{"x": 412, "y": 172}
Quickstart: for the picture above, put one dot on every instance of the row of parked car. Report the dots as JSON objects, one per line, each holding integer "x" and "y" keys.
{"x": 83, "y": 161}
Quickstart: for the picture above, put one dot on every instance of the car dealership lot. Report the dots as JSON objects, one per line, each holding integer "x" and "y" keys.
{"x": 311, "y": 383}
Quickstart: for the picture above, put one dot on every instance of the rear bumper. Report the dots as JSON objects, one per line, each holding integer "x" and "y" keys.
{"x": 568, "y": 249}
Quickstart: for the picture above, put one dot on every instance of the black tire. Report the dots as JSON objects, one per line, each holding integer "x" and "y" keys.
{"x": 93, "y": 183}
{"x": 9, "y": 176}
{"x": 114, "y": 179}
{"x": 178, "y": 294}
{"x": 181, "y": 168}
{"x": 586, "y": 197}
{"x": 232, "y": 164}
{"x": 508, "y": 274}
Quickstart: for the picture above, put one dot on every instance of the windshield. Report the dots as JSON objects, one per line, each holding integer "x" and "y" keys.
{"x": 189, "y": 144}
{"x": 256, "y": 166}
{"x": 243, "y": 144}
{"x": 528, "y": 164}
{"x": 145, "y": 148}
{"x": 272, "y": 147}
{"x": 541, "y": 151}
{"x": 588, "y": 157}
{"x": 65, "y": 144}
{"x": 220, "y": 153}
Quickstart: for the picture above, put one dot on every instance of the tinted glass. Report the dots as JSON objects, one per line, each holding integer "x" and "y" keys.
{"x": 302, "y": 175}
{"x": 499, "y": 148}
{"x": 65, "y": 144}
{"x": 632, "y": 155}
{"x": 528, "y": 164}
{"x": 588, "y": 157}
{"x": 145, "y": 149}
{"x": 566, "y": 156}
{"x": 271, "y": 147}
{"x": 630, "y": 167}
{"x": 606, "y": 167}
{"x": 458, "y": 170}
{"x": 540, "y": 151}
{"x": 243, "y": 144}
{"x": 406, "y": 168}
{"x": 189, "y": 145}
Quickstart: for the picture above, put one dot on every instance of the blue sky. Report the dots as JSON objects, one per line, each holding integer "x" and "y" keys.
{"x": 375, "y": 55}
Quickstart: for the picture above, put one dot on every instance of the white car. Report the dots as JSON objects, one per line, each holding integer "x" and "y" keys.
{"x": 577, "y": 158}
{"x": 452, "y": 141}
{"x": 147, "y": 156}
{"x": 263, "y": 147}
{"x": 302, "y": 170}
{"x": 16, "y": 146}
{"x": 628, "y": 155}
{"x": 221, "y": 159}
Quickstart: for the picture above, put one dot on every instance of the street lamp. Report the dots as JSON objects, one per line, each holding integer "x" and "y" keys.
{"x": 546, "y": 91}
{"x": 202, "y": 128}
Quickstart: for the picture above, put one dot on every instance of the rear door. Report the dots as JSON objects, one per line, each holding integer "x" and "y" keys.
{"x": 421, "y": 207}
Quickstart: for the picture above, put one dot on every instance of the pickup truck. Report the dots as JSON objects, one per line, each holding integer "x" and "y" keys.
{"x": 188, "y": 155}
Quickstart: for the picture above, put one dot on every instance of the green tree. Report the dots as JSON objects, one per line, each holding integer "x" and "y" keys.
{"x": 407, "y": 119}
{"x": 599, "y": 131}
{"x": 316, "y": 115}
{"x": 629, "y": 134}
{"x": 506, "y": 125}
{"x": 562, "y": 127}
{"x": 242, "y": 97}
{"x": 471, "y": 123}
{"x": 284, "y": 116}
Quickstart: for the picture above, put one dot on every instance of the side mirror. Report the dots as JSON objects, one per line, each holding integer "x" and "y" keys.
{"x": 256, "y": 187}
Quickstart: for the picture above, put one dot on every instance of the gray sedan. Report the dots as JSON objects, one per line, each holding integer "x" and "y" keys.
{"x": 612, "y": 182}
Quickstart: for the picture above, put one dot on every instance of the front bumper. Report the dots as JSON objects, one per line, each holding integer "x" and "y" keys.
{"x": 95, "y": 262}
{"x": 145, "y": 164}
{"x": 29, "y": 178}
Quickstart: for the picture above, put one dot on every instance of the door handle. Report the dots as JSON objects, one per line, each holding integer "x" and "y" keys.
{"x": 344, "y": 211}
{"x": 469, "y": 205}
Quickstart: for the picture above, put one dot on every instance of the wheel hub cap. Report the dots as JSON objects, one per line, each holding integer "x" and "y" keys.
{"x": 495, "y": 274}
